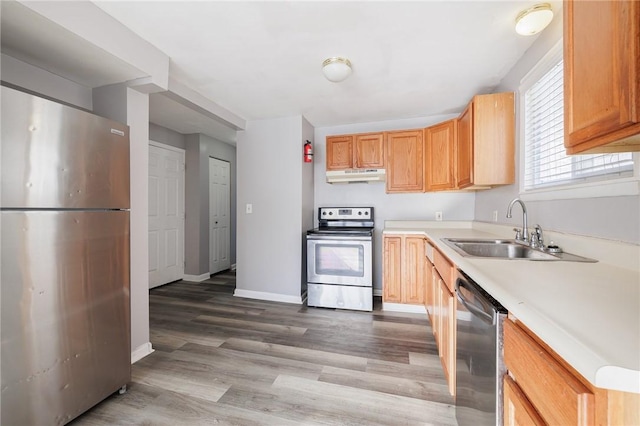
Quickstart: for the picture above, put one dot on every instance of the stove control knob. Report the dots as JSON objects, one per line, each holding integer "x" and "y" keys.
{"x": 324, "y": 213}
{"x": 366, "y": 213}
{"x": 359, "y": 213}
{"x": 330, "y": 213}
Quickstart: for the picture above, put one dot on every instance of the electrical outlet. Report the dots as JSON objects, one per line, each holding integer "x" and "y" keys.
{"x": 249, "y": 208}
{"x": 495, "y": 215}
{"x": 438, "y": 216}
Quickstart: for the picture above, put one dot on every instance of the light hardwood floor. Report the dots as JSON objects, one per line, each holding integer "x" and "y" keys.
{"x": 221, "y": 360}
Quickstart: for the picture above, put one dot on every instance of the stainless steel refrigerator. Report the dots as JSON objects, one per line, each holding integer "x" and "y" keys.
{"x": 64, "y": 261}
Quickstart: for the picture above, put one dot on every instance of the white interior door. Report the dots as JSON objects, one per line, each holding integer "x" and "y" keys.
{"x": 219, "y": 212}
{"x": 166, "y": 214}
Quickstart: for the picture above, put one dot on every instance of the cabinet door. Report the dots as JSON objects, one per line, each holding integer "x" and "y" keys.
{"x": 440, "y": 156}
{"x": 493, "y": 124}
{"x": 369, "y": 151}
{"x": 437, "y": 310}
{"x": 544, "y": 380}
{"x": 428, "y": 292}
{"x": 601, "y": 74}
{"x": 392, "y": 265}
{"x": 405, "y": 167}
{"x": 518, "y": 411}
{"x": 339, "y": 152}
{"x": 446, "y": 338}
{"x": 464, "y": 151}
{"x": 435, "y": 303}
{"x": 413, "y": 273}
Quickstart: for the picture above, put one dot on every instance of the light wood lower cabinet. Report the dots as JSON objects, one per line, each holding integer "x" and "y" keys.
{"x": 541, "y": 386}
{"x": 441, "y": 308}
{"x": 403, "y": 269}
{"x": 447, "y": 335}
{"x": 543, "y": 379}
{"x": 517, "y": 408}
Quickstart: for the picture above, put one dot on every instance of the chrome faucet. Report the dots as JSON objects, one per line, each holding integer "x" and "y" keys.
{"x": 525, "y": 230}
{"x": 537, "y": 239}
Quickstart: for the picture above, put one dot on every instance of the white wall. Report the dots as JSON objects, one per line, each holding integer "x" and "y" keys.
{"x": 166, "y": 136}
{"x": 126, "y": 105}
{"x": 614, "y": 218}
{"x": 43, "y": 83}
{"x": 270, "y": 177}
{"x": 414, "y": 206}
{"x": 199, "y": 148}
{"x": 307, "y": 187}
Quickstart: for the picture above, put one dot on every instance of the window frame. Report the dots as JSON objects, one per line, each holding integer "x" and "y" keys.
{"x": 606, "y": 187}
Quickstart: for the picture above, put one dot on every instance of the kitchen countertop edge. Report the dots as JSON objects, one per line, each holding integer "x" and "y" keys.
{"x": 590, "y": 362}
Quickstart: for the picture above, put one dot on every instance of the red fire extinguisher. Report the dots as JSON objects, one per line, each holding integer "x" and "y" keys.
{"x": 308, "y": 152}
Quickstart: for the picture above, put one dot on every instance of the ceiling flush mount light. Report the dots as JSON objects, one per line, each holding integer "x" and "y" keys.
{"x": 336, "y": 69}
{"x": 533, "y": 20}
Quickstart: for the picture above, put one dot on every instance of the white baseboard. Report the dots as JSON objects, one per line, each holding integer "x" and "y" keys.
{"x": 196, "y": 278}
{"x": 273, "y": 297}
{"x": 401, "y": 307}
{"x": 234, "y": 266}
{"x": 140, "y": 352}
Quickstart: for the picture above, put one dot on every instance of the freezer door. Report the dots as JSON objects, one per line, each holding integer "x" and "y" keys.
{"x": 65, "y": 313}
{"x": 55, "y": 156}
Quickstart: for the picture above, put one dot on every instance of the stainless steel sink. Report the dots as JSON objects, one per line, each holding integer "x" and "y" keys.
{"x": 506, "y": 249}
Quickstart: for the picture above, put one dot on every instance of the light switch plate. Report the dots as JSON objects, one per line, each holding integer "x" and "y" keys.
{"x": 438, "y": 216}
{"x": 249, "y": 208}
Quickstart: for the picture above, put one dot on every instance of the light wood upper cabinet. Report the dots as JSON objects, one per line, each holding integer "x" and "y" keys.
{"x": 369, "y": 151}
{"x": 403, "y": 269}
{"x": 486, "y": 142}
{"x": 339, "y": 152}
{"x": 601, "y": 76}
{"x": 464, "y": 152}
{"x": 358, "y": 151}
{"x": 404, "y": 152}
{"x": 439, "y": 152}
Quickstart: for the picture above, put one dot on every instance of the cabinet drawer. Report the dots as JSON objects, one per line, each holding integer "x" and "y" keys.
{"x": 517, "y": 408}
{"x": 556, "y": 393}
{"x": 445, "y": 269}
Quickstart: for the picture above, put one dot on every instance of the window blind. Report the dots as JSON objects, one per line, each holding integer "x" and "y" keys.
{"x": 546, "y": 163}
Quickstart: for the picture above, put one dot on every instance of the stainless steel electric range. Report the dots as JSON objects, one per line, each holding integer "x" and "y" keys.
{"x": 339, "y": 259}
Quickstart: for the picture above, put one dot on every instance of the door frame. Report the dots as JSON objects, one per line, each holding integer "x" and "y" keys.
{"x": 184, "y": 189}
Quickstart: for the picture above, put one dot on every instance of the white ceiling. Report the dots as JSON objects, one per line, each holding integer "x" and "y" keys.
{"x": 263, "y": 59}
{"x": 35, "y": 40}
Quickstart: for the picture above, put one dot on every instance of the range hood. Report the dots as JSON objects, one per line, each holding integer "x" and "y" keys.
{"x": 356, "y": 175}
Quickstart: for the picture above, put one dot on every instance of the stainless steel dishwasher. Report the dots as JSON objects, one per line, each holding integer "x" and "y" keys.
{"x": 479, "y": 355}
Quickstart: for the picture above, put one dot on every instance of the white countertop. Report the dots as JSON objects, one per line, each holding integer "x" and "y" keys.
{"x": 588, "y": 313}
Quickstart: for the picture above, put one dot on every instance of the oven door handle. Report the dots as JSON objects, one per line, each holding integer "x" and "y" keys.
{"x": 338, "y": 237}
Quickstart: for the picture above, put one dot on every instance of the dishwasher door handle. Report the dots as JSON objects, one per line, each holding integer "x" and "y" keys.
{"x": 471, "y": 307}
